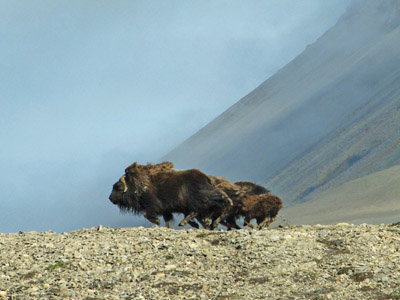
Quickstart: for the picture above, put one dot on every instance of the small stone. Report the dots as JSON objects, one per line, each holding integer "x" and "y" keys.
{"x": 193, "y": 245}
{"x": 343, "y": 224}
{"x": 170, "y": 267}
{"x": 383, "y": 279}
{"x": 310, "y": 265}
{"x": 361, "y": 268}
{"x": 274, "y": 238}
{"x": 323, "y": 233}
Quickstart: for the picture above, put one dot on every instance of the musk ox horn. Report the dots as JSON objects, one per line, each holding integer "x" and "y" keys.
{"x": 123, "y": 180}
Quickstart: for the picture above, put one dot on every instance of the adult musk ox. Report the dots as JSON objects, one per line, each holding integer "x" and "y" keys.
{"x": 159, "y": 190}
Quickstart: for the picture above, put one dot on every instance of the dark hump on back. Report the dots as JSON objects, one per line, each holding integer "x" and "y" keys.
{"x": 252, "y": 188}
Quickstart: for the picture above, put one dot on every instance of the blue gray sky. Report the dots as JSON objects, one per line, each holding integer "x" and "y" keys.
{"x": 88, "y": 87}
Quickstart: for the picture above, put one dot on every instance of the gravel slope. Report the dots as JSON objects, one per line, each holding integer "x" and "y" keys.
{"x": 308, "y": 262}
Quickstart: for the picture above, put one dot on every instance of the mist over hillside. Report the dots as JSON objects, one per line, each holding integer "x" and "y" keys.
{"x": 329, "y": 116}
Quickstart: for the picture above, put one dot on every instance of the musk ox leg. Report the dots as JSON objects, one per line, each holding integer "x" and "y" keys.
{"x": 204, "y": 222}
{"x": 230, "y": 223}
{"x": 188, "y": 218}
{"x": 247, "y": 223}
{"x": 215, "y": 223}
{"x": 227, "y": 225}
{"x": 167, "y": 219}
{"x": 152, "y": 219}
{"x": 233, "y": 224}
{"x": 267, "y": 221}
{"x": 219, "y": 219}
{"x": 193, "y": 224}
{"x": 262, "y": 223}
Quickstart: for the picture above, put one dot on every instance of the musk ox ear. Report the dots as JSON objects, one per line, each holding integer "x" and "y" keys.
{"x": 133, "y": 168}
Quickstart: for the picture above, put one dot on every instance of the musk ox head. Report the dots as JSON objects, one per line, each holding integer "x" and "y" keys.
{"x": 120, "y": 196}
{"x": 118, "y": 191}
{"x": 128, "y": 190}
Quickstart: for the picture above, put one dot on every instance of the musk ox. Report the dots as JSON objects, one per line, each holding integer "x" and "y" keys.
{"x": 251, "y": 201}
{"x": 264, "y": 208}
{"x": 159, "y": 190}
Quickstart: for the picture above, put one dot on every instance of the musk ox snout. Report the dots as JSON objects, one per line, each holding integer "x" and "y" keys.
{"x": 119, "y": 189}
{"x": 113, "y": 198}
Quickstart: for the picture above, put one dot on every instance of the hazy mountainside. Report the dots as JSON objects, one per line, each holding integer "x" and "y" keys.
{"x": 329, "y": 116}
{"x": 368, "y": 141}
{"x": 370, "y": 199}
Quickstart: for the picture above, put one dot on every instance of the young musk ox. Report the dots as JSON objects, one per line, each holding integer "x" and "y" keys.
{"x": 253, "y": 201}
{"x": 161, "y": 193}
{"x": 264, "y": 208}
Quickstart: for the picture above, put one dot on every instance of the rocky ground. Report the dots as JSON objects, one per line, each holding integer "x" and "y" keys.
{"x": 308, "y": 262}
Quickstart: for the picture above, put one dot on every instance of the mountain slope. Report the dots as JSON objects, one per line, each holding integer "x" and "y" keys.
{"x": 370, "y": 199}
{"x": 329, "y": 116}
{"x": 369, "y": 141}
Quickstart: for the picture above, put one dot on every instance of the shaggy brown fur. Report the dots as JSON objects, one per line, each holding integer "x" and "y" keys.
{"x": 249, "y": 194}
{"x": 162, "y": 193}
{"x": 231, "y": 189}
{"x": 154, "y": 169}
{"x": 251, "y": 188}
{"x": 264, "y": 208}
{"x": 250, "y": 200}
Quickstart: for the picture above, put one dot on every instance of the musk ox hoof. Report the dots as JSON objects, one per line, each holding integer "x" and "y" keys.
{"x": 154, "y": 220}
{"x": 194, "y": 224}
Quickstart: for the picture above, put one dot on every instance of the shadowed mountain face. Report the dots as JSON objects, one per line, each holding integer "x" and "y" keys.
{"x": 329, "y": 116}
